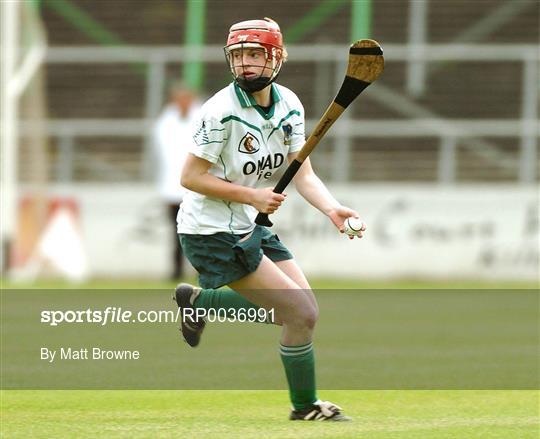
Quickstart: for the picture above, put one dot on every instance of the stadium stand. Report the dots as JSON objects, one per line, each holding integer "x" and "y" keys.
{"x": 455, "y": 90}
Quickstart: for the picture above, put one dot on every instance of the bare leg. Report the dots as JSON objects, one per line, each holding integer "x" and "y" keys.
{"x": 270, "y": 287}
{"x": 291, "y": 269}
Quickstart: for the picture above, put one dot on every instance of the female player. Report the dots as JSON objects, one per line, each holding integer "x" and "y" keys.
{"x": 245, "y": 134}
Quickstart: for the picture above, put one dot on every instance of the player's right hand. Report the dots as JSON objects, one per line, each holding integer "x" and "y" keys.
{"x": 265, "y": 200}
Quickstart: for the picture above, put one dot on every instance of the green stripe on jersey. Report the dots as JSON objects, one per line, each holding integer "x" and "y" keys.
{"x": 227, "y": 203}
{"x": 276, "y": 95}
{"x": 236, "y": 118}
{"x": 208, "y": 143}
{"x": 283, "y": 120}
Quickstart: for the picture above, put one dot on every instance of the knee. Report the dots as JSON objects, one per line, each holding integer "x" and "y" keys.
{"x": 311, "y": 320}
{"x": 307, "y": 318}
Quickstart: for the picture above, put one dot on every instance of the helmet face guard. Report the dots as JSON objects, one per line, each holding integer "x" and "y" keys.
{"x": 249, "y": 35}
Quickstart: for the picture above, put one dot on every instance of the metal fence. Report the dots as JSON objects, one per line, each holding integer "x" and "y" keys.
{"x": 415, "y": 121}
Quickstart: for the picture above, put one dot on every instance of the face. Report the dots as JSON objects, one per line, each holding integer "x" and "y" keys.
{"x": 251, "y": 63}
{"x": 183, "y": 99}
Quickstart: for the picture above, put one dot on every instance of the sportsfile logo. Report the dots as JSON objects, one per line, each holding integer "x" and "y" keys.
{"x": 112, "y": 315}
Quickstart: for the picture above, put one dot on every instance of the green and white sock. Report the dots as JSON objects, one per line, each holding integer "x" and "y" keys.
{"x": 299, "y": 363}
{"x": 224, "y": 298}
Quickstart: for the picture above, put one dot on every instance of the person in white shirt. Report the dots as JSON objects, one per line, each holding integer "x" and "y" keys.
{"x": 244, "y": 135}
{"x": 172, "y": 139}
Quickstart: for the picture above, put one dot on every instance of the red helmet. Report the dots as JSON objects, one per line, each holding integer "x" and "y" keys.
{"x": 263, "y": 34}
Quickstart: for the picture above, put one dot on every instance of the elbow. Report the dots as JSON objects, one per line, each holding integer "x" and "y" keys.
{"x": 186, "y": 181}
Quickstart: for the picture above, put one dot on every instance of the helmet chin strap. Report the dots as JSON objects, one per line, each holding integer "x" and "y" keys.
{"x": 251, "y": 85}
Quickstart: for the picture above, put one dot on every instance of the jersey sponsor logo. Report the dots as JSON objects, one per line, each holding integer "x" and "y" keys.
{"x": 249, "y": 144}
{"x": 265, "y": 166}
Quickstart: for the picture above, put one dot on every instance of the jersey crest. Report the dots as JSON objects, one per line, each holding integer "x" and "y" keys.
{"x": 249, "y": 144}
{"x": 287, "y": 133}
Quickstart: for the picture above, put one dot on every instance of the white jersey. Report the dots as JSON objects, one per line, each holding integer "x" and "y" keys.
{"x": 247, "y": 147}
{"x": 171, "y": 134}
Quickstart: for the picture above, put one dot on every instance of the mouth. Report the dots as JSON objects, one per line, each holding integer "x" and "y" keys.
{"x": 249, "y": 75}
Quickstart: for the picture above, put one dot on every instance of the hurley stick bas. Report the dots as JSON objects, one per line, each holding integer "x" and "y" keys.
{"x": 366, "y": 63}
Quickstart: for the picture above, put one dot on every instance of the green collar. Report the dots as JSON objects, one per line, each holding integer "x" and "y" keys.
{"x": 246, "y": 100}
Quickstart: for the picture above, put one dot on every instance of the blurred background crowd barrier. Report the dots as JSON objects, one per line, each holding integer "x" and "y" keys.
{"x": 451, "y": 125}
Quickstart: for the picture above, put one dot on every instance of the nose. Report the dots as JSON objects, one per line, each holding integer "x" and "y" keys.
{"x": 245, "y": 59}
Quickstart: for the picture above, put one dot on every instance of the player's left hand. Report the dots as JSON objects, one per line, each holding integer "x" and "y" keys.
{"x": 338, "y": 216}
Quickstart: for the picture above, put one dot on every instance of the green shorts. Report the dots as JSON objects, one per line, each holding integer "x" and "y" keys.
{"x": 222, "y": 258}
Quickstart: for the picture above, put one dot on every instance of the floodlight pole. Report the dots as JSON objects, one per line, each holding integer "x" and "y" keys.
{"x": 193, "y": 71}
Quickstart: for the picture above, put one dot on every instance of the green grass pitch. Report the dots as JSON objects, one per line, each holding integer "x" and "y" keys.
{"x": 263, "y": 413}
